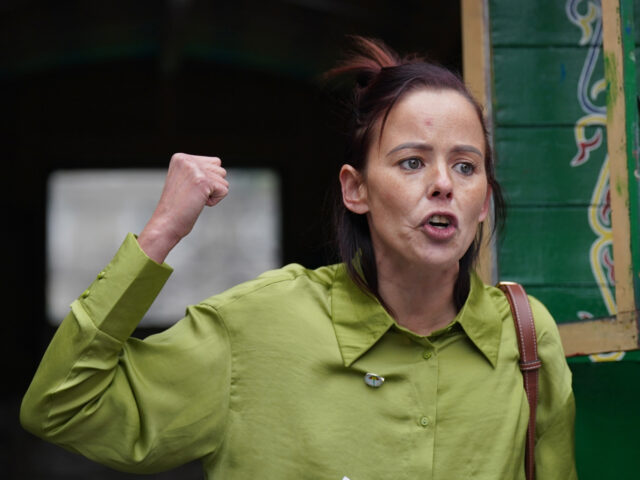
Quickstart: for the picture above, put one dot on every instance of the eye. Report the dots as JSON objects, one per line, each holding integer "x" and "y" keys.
{"x": 412, "y": 163}
{"x": 465, "y": 168}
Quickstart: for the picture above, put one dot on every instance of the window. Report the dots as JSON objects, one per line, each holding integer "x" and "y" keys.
{"x": 90, "y": 212}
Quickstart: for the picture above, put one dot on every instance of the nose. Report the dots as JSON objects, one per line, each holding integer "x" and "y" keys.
{"x": 441, "y": 184}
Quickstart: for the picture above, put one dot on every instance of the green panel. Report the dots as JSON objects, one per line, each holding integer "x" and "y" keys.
{"x": 533, "y": 165}
{"x": 636, "y": 17}
{"x": 570, "y": 304}
{"x": 538, "y": 86}
{"x": 637, "y": 53}
{"x": 633, "y": 135}
{"x": 541, "y": 22}
{"x": 607, "y": 420}
{"x": 543, "y": 246}
{"x": 633, "y": 355}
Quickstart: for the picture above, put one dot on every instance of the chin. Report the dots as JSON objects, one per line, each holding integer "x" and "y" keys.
{"x": 439, "y": 263}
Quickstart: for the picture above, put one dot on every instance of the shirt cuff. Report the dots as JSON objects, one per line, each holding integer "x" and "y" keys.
{"x": 122, "y": 293}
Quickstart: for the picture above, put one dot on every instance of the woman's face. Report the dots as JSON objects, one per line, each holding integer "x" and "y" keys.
{"x": 424, "y": 188}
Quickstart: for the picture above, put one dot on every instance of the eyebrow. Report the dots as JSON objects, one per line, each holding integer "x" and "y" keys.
{"x": 466, "y": 148}
{"x": 412, "y": 146}
{"x": 427, "y": 147}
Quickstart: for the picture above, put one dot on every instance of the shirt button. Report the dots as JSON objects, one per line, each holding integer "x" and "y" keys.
{"x": 101, "y": 275}
{"x": 426, "y": 355}
{"x": 424, "y": 421}
{"x": 85, "y": 294}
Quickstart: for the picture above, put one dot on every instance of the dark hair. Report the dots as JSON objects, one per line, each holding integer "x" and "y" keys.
{"x": 382, "y": 78}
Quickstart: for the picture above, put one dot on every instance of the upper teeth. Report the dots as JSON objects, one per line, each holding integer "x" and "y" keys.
{"x": 439, "y": 219}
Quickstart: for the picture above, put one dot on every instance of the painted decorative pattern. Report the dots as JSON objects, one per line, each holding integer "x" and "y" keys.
{"x": 589, "y": 132}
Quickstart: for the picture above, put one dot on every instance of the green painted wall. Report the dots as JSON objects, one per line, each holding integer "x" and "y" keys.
{"x": 608, "y": 420}
{"x": 538, "y": 62}
{"x": 549, "y": 106}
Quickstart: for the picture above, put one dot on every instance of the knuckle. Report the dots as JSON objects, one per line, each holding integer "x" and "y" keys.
{"x": 199, "y": 178}
{"x": 179, "y": 158}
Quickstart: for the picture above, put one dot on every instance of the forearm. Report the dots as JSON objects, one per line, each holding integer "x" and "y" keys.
{"x": 156, "y": 242}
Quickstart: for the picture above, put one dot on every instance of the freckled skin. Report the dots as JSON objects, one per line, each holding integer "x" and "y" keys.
{"x": 446, "y": 130}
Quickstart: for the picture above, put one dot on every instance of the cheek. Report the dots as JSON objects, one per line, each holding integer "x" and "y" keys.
{"x": 380, "y": 189}
{"x": 477, "y": 196}
{"x": 392, "y": 200}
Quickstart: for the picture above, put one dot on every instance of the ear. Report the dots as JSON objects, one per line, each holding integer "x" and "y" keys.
{"x": 485, "y": 207}
{"x": 354, "y": 192}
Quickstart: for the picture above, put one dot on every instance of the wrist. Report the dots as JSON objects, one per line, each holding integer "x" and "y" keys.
{"x": 156, "y": 242}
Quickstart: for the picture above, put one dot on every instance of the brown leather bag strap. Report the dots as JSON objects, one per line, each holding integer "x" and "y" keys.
{"x": 529, "y": 361}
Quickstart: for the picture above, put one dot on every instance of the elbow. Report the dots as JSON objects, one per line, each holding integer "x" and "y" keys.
{"x": 33, "y": 415}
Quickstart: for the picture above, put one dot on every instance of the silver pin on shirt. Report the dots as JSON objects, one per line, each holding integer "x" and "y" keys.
{"x": 373, "y": 380}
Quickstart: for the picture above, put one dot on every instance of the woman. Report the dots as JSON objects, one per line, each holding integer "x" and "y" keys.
{"x": 397, "y": 363}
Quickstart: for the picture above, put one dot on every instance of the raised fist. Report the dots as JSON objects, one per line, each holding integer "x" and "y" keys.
{"x": 192, "y": 182}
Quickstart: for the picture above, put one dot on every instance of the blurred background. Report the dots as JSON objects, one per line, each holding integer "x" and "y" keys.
{"x": 96, "y": 96}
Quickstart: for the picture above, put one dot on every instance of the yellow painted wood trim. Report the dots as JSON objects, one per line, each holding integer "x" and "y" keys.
{"x": 620, "y": 332}
{"x": 475, "y": 67}
{"x": 473, "y": 48}
{"x": 602, "y": 335}
{"x": 617, "y": 150}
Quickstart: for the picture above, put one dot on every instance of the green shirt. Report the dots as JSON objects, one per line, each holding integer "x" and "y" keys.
{"x": 266, "y": 381}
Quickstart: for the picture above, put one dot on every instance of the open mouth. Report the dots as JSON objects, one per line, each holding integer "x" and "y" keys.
{"x": 439, "y": 221}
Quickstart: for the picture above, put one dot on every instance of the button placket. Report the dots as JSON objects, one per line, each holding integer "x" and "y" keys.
{"x": 426, "y": 383}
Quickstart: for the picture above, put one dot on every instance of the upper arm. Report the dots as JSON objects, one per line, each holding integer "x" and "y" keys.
{"x": 555, "y": 412}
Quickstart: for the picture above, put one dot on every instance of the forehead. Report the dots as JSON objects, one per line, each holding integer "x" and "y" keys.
{"x": 428, "y": 112}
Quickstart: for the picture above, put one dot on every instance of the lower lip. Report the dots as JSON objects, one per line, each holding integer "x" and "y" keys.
{"x": 439, "y": 234}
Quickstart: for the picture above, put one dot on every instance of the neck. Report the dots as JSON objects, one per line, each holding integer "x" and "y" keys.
{"x": 421, "y": 301}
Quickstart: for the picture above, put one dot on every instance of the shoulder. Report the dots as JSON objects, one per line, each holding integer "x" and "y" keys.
{"x": 279, "y": 311}
{"x": 546, "y": 327}
{"x": 290, "y": 282}
{"x": 545, "y": 324}
{"x": 549, "y": 343}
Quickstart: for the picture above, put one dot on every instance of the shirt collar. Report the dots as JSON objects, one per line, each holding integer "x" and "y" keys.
{"x": 359, "y": 320}
{"x": 481, "y": 320}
